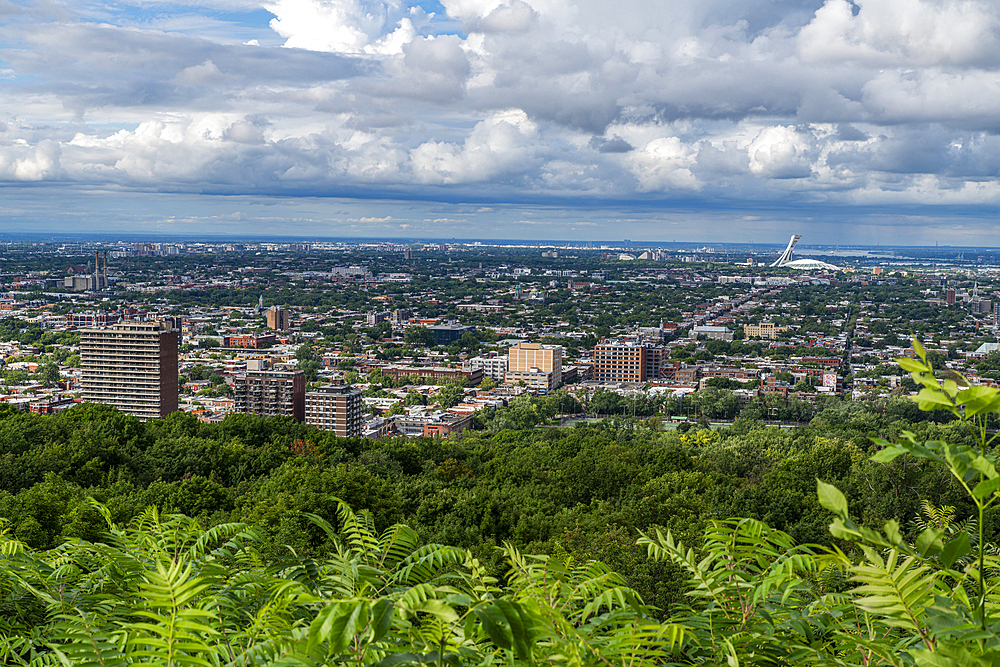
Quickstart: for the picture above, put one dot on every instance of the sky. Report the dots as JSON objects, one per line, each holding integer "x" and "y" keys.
{"x": 872, "y": 122}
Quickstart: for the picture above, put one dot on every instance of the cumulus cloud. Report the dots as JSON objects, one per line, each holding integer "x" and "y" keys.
{"x": 904, "y": 32}
{"x": 22, "y": 162}
{"x": 498, "y": 100}
{"x": 500, "y": 145}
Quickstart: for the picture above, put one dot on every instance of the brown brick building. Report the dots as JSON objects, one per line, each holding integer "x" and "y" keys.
{"x": 336, "y": 408}
{"x": 475, "y": 375}
{"x": 271, "y": 393}
{"x": 131, "y": 366}
{"x": 249, "y": 341}
{"x": 620, "y": 362}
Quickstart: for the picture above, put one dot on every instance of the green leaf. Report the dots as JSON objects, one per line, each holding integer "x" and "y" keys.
{"x": 888, "y": 454}
{"x": 382, "y": 612}
{"x": 338, "y": 623}
{"x": 929, "y": 541}
{"x": 496, "y": 625}
{"x": 508, "y": 626}
{"x": 831, "y": 498}
{"x": 955, "y": 549}
{"x": 932, "y": 399}
{"x": 919, "y": 349}
{"x": 987, "y": 487}
{"x": 891, "y": 530}
{"x": 979, "y": 400}
{"x": 912, "y": 365}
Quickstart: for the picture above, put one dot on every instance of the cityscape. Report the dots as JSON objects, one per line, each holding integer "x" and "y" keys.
{"x": 402, "y": 339}
{"x": 500, "y": 333}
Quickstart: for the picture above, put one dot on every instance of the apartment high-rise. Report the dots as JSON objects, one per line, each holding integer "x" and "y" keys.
{"x": 620, "y": 362}
{"x": 538, "y": 366}
{"x": 336, "y": 408}
{"x": 131, "y": 366}
{"x": 271, "y": 393}
{"x": 277, "y": 318}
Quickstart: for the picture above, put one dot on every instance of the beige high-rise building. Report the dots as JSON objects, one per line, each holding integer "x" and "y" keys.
{"x": 131, "y": 366}
{"x": 538, "y": 366}
{"x": 277, "y": 318}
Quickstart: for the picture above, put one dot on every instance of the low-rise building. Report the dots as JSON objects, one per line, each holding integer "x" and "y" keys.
{"x": 712, "y": 333}
{"x": 249, "y": 341}
{"x": 474, "y": 375}
{"x": 767, "y": 330}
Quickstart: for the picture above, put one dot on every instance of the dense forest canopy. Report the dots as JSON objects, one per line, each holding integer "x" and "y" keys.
{"x": 866, "y": 538}
{"x": 585, "y": 491}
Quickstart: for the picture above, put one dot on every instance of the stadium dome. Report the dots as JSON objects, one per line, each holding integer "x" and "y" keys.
{"x": 809, "y": 265}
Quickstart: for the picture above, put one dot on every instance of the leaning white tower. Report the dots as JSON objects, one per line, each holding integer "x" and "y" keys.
{"x": 786, "y": 256}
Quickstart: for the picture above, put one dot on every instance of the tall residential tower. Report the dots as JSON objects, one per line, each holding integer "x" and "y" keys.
{"x": 131, "y": 366}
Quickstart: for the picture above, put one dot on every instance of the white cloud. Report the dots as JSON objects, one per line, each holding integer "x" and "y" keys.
{"x": 205, "y": 74}
{"x": 502, "y": 144}
{"x": 665, "y": 164}
{"x": 22, "y": 162}
{"x": 781, "y": 152}
{"x": 710, "y": 100}
{"x": 341, "y": 26}
{"x": 904, "y": 32}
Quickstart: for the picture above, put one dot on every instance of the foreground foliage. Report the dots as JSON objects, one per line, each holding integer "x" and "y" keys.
{"x": 166, "y": 591}
{"x": 586, "y": 491}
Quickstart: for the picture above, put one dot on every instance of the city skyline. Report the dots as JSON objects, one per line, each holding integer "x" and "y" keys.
{"x": 872, "y": 122}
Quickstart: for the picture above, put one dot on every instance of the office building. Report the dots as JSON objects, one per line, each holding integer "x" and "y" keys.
{"x": 949, "y": 296}
{"x": 336, "y": 408}
{"x": 620, "y": 362}
{"x": 271, "y": 393}
{"x": 446, "y": 334}
{"x": 131, "y": 366}
{"x": 374, "y": 317}
{"x": 277, "y": 318}
{"x": 537, "y": 366}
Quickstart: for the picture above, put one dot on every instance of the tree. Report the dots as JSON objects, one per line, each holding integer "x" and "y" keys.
{"x": 419, "y": 337}
{"x": 450, "y": 395}
{"x": 305, "y": 353}
{"x": 49, "y": 374}
{"x": 415, "y": 398}
{"x": 784, "y": 376}
{"x": 311, "y": 368}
